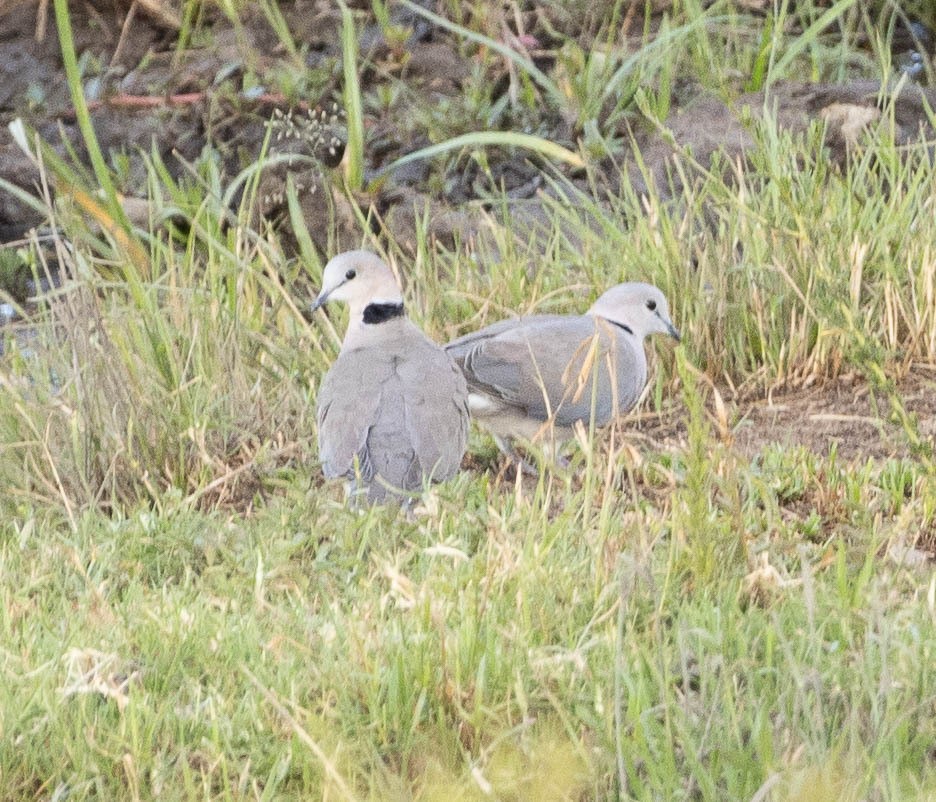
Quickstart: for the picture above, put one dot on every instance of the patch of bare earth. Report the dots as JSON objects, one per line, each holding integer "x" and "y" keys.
{"x": 858, "y": 420}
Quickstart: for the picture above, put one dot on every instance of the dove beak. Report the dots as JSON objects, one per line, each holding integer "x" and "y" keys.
{"x": 320, "y": 300}
{"x": 670, "y": 328}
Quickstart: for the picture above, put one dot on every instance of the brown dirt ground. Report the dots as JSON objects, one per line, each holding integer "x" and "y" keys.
{"x": 848, "y": 413}
{"x": 138, "y": 61}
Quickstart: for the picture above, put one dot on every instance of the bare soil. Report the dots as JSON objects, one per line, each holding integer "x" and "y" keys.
{"x": 149, "y": 96}
{"x": 859, "y": 421}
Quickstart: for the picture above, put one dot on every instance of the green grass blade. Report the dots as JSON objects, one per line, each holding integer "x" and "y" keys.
{"x": 354, "y": 106}
{"x": 481, "y": 139}
{"x": 660, "y": 46}
{"x": 70, "y": 62}
{"x": 759, "y": 71}
{"x": 23, "y": 196}
{"x": 807, "y": 38}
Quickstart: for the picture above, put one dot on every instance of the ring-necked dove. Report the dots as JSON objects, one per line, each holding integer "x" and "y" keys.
{"x": 393, "y": 408}
{"x": 535, "y": 377}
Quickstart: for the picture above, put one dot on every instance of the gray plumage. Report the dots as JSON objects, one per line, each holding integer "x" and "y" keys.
{"x": 392, "y": 410}
{"x": 535, "y": 377}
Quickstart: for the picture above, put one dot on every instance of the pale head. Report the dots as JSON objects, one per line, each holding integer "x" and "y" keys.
{"x": 640, "y": 307}
{"x": 358, "y": 278}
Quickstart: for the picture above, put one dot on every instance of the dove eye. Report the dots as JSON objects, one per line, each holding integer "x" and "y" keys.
{"x": 651, "y": 305}
{"x": 350, "y": 275}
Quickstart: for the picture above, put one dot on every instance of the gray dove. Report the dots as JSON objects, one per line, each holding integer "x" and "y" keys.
{"x": 393, "y": 408}
{"x": 535, "y": 377}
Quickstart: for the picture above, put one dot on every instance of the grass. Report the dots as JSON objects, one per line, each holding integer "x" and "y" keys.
{"x": 188, "y": 612}
{"x": 426, "y": 655}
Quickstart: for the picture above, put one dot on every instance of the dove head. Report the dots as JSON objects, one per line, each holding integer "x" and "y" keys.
{"x": 362, "y": 280}
{"x": 642, "y": 308}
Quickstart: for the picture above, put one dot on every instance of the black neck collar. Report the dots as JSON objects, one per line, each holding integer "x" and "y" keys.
{"x": 381, "y": 312}
{"x": 622, "y": 326}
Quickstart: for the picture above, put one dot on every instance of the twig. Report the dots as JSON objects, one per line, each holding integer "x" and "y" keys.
{"x": 42, "y": 19}
{"x": 124, "y": 31}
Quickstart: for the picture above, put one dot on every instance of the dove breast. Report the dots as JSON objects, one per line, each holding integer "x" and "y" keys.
{"x": 393, "y": 408}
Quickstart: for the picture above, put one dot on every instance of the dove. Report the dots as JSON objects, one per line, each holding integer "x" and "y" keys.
{"x": 393, "y": 408}
{"x": 534, "y": 378}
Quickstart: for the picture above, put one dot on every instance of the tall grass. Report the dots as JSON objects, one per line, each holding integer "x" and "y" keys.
{"x": 780, "y": 273}
{"x": 152, "y": 377}
{"x": 353, "y": 102}
{"x": 187, "y": 611}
